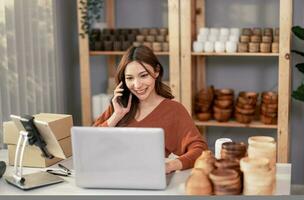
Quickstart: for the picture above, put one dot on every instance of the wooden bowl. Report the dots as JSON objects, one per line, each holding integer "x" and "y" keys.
{"x": 244, "y": 119}
{"x": 204, "y": 116}
{"x": 244, "y": 111}
{"x": 223, "y": 103}
{"x": 268, "y": 120}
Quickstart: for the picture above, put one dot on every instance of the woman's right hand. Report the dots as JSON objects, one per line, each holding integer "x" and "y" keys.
{"x": 119, "y": 110}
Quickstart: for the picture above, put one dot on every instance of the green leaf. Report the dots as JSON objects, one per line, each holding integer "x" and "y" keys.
{"x": 299, "y": 93}
{"x": 300, "y": 67}
{"x": 298, "y": 31}
{"x": 298, "y": 52}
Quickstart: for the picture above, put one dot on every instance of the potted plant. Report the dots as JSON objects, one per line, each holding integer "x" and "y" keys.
{"x": 90, "y": 13}
{"x": 298, "y": 94}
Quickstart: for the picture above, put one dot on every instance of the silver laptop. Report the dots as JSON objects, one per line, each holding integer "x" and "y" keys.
{"x": 119, "y": 158}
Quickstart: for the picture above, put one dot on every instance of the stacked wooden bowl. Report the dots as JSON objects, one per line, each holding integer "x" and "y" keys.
{"x": 223, "y": 104}
{"x": 226, "y": 182}
{"x": 203, "y": 103}
{"x": 269, "y": 108}
{"x": 245, "y": 107}
{"x": 259, "y": 40}
{"x": 259, "y": 178}
{"x": 155, "y": 38}
{"x": 233, "y": 150}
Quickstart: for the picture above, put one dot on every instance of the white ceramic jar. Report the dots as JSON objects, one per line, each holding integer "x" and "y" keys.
{"x": 204, "y": 31}
{"x": 235, "y": 31}
{"x": 231, "y": 47}
{"x": 209, "y": 46}
{"x": 219, "y": 47}
{"x": 198, "y": 46}
{"x": 212, "y": 38}
{"x": 202, "y": 37}
{"x": 224, "y": 31}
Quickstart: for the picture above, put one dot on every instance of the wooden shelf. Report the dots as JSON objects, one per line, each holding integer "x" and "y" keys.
{"x": 116, "y": 53}
{"x": 232, "y": 123}
{"x": 235, "y": 54}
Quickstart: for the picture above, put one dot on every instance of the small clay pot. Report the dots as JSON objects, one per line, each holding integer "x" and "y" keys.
{"x": 131, "y": 37}
{"x": 99, "y": 46}
{"x": 157, "y": 46}
{"x": 257, "y": 31}
{"x": 108, "y": 45}
{"x": 255, "y": 38}
{"x": 265, "y": 47}
{"x": 247, "y": 31}
{"x": 276, "y": 38}
{"x": 242, "y": 47}
{"x": 268, "y": 32}
{"x": 160, "y": 38}
{"x": 122, "y": 37}
{"x": 107, "y": 31}
{"x": 245, "y": 111}
{"x": 254, "y": 47}
{"x": 275, "y": 47}
{"x": 277, "y": 31}
{"x": 117, "y": 45}
{"x": 134, "y": 31}
{"x": 267, "y": 39}
{"x": 163, "y": 31}
{"x": 144, "y": 31}
{"x": 150, "y": 38}
{"x": 153, "y": 31}
{"x": 165, "y": 46}
{"x": 140, "y": 38}
{"x": 245, "y": 38}
{"x": 136, "y": 44}
{"x": 148, "y": 44}
{"x": 126, "y": 45}
{"x": 167, "y": 38}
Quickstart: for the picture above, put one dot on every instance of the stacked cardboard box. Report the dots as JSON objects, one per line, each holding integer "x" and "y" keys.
{"x": 57, "y": 129}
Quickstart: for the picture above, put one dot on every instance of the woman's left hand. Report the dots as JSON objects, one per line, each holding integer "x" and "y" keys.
{"x": 173, "y": 165}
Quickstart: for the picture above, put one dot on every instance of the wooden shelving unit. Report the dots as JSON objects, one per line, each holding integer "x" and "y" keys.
{"x": 235, "y": 54}
{"x": 193, "y": 70}
{"x": 233, "y": 123}
{"x": 119, "y": 53}
{"x": 174, "y": 55}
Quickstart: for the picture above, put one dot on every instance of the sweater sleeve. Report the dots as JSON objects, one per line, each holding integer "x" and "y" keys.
{"x": 102, "y": 119}
{"x": 190, "y": 141}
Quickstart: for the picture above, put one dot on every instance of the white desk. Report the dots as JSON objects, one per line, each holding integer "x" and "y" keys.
{"x": 176, "y": 186}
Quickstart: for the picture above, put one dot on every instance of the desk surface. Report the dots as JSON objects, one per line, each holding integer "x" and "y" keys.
{"x": 175, "y": 187}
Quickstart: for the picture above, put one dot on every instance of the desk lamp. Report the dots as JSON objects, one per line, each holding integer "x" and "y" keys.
{"x": 30, "y": 134}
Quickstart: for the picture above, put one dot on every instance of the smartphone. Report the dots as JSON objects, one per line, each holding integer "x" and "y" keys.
{"x": 123, "y": 100}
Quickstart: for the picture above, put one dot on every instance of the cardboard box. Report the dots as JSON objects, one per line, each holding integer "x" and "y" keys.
{"x": 55, "y": 130}
{"x": 32, "y": 155}
{"x": 59, "y": 124}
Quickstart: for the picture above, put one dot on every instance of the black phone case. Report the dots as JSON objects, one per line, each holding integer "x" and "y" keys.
{"x": 123, "y": 100}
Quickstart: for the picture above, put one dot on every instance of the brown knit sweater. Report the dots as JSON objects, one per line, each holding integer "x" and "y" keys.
{"x": 181, "y": 136}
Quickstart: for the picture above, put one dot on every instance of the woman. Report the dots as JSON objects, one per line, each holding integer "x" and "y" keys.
{"x": 142, "y": 100}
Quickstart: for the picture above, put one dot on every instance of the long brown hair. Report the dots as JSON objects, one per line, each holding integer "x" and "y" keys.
{"x": 142, "y": 55}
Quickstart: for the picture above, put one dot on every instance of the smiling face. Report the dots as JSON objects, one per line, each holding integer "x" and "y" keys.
{"x": 140, "y": 81}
